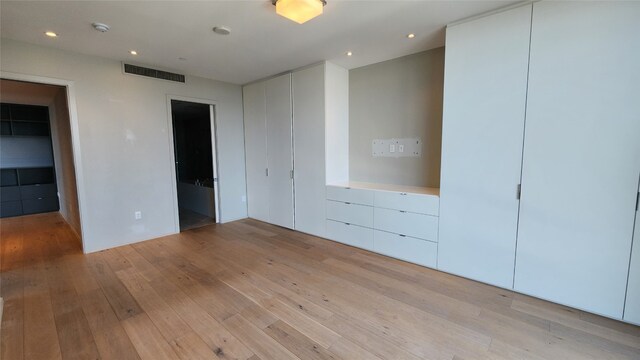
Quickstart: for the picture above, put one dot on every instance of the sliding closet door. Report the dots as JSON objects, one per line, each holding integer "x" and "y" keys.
{"x": 255, "y": 130}
{"x": 632, "y": 306}
{"x": 308, "y": 137}
{"x": 581, "y": 155}
{"x": 483, "y": 122}
{"x": 279, "y": 150}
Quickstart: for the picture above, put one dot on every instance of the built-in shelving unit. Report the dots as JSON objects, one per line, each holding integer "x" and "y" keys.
{"x": 27, "y": 181}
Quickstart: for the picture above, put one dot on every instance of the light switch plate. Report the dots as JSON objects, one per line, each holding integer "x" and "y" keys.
{"x": 406, "y": 147}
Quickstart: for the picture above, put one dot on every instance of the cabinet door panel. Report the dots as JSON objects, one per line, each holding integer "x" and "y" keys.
{"x": 483, "y": 123}
{"x": 406, "y": 248}
{"x": 581, "y": 155}
{"x": 309, "y": 154}
{"x": 350, "y": 213}
{"x": 350, "y": 234}
{"x": 255, "y": 132}
{"x": 355, "y": 196}
{"x": 417, "y": 203}
{"x": 279, "y": 150}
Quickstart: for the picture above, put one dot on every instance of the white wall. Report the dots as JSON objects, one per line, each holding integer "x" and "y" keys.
{"x": 399, "y": 98}
{"x": 63, "y": 159}
{"x": 124, "y": 142}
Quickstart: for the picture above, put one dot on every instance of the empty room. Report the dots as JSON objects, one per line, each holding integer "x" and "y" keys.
{"x": 320, "y": 179}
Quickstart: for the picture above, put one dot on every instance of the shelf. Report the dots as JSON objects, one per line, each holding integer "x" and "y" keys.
{"x": 389, "y": 187}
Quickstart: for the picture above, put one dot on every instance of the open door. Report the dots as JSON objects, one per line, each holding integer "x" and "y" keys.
{"x": 195, "y": 163}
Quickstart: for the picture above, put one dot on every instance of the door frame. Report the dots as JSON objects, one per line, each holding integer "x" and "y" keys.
{"x": 213, "y": 105}
{"x": 69, "y": 85}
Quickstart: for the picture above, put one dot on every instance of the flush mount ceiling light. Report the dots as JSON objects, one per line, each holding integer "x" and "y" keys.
{"x": 222, "y": 30}
{"x": 101, "y": 27}
{"x": 133, "y": 52}
{"x": 299, "y": 11}
{"x": 51, "y": 34}
{"x": 411, "y": 36}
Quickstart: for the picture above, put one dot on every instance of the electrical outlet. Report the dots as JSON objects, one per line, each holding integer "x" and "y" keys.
{"x": 401, "y": 148}
{"x": 392, "y": 148}
{"x": 138, "y": 215}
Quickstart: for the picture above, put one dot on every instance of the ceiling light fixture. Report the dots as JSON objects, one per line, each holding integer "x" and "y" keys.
{"x": 101, "y": 27}
{"x": 51, "y": 34}
{"x": 299, "y": 11}
{"x": 133, "y": 52}
{"x": 411, "y": 36}
{"x": 349, "y": 53}
{"x": 222, "y": 30}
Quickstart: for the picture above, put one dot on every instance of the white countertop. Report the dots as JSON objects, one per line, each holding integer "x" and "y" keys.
{"x": 389, "y": 187}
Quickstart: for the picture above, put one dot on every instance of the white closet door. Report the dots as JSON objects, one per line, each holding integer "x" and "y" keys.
{"x": 483, "y": 123}
{"x": 632, "y": 306}
{"x": 255, "y": 132}
{"x": 308, "y": 137}
{"x": 279, "y": 150}
{"x": 581, "y": 155}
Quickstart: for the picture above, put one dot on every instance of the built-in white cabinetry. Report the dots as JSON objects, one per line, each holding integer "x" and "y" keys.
{"x": 397, "y": 221}
{"x": 268, "y": 144}
{"x": 482, "y": 133}
{"x": 540, "y": 96}
{"x": 296, "y": 136}
{"x": 581, "y": 155}
{"x": 632, "y": 305}
{"x": 255, "y": 139}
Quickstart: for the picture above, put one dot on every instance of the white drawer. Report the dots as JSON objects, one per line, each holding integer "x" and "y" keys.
{"x": 406, "y": 223}
{"x": 414, "y": 250}
{"x": 350, "y": 234}
{"x": 345, "y": 194}
{"x": 418, "y": 203}
{"x": 350, "y": 213}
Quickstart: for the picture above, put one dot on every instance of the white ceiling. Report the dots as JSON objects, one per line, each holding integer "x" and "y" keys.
{"x": 261, "y": 43}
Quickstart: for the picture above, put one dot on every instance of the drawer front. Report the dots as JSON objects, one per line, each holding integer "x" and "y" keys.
{"x": 355, "y": 196}
{"x": 350, "y": 234}
{"x": 35, "y": 206}
{"x": 350, "y": 213}
{"x": 406, "y": 248}
{"x": 38, "y": 191}
{"x": 423, "y": 204}
{"x": 406, "y": 223}
{"x": 10, "y": 208}
{"x": 9, "y": 193}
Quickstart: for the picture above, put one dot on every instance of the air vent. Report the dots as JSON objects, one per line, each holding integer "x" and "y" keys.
{"x": 153, "y": 73}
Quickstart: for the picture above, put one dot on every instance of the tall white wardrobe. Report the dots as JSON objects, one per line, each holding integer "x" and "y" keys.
{"x": 541, "y": 153}
{"x": 296, "y": 139}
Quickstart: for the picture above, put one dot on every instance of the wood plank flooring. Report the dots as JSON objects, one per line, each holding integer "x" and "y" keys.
{"x": 249, "y": 290}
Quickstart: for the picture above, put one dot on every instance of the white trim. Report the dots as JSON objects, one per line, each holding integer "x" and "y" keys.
{"x": 75, "y": 139}
{"x": 492, "y": 12}
{"x": 174, "y": 188}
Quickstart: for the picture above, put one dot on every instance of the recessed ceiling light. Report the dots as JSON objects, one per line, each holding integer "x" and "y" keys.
{"x": 222, "y": 30}
{"x": 349, "y": 53}
{"x": 411, "y": 36}
{"x": 133, "y": 52}
{"x": 51, "y": 34}
{"x": 101, "y": 27}
{"x": 182, "y": 59}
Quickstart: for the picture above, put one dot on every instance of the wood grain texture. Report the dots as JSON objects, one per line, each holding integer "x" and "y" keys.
{"x": 248, "y": 290}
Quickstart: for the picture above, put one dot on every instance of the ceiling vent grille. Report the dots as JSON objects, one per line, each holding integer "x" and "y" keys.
{"x": 153, "y": 73}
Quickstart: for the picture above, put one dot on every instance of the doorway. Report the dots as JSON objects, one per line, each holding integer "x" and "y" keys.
{"x": 194, "y": 148}
{"x": 37, "y": 157}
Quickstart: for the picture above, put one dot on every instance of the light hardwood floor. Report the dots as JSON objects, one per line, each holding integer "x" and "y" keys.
{"x": 249, "y": 290}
